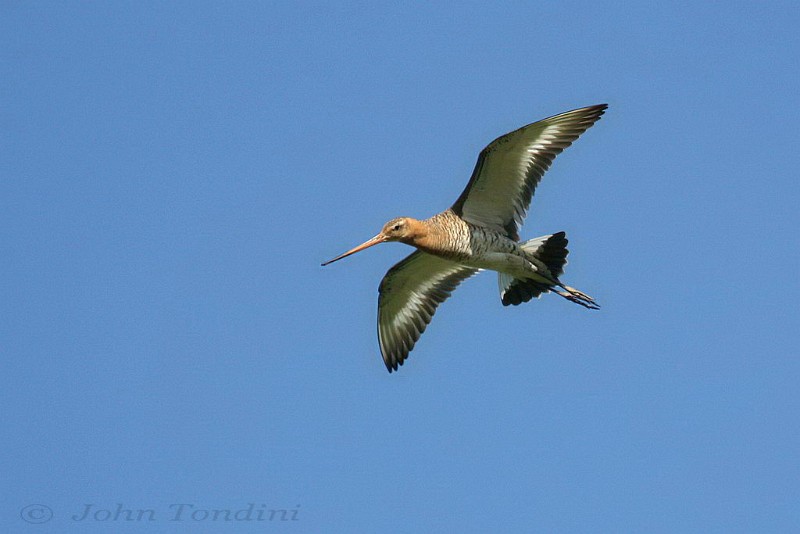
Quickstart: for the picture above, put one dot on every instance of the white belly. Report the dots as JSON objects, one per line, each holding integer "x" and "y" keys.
{"x": 508, "y": 263}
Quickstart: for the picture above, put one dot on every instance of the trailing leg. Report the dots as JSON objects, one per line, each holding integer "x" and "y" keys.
{"x": 578, "y": 297}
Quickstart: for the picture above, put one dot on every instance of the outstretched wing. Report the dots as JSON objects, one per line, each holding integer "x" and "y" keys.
{"x": 409, "y": 295}
{"x": 510, "y": 168}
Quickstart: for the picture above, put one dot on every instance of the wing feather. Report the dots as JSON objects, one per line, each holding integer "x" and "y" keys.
{"x": 510, "y": 167}
{"x": 409, "y": 295}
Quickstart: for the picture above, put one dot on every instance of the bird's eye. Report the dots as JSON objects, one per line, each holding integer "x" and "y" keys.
{"x": 396, "y": 227}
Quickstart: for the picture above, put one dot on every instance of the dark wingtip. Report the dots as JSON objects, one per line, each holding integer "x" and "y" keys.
{"x": 599, "y": 109}
{"x": 393, "y": 365}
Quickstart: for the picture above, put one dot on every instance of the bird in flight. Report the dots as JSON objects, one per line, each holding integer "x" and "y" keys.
{"x": 480, "y": 231}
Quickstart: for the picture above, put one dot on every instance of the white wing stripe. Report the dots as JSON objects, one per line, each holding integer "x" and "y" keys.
{"x": 510, "y": 167}
{"x": 409, "y": 295}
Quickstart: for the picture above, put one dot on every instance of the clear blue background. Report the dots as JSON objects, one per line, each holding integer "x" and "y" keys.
{"x": 173, "y": 174}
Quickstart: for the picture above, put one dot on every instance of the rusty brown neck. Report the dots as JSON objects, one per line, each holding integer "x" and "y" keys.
{"x": 439, "y": 234}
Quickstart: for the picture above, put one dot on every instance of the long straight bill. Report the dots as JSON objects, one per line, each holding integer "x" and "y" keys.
{"x": 374, "y": 241}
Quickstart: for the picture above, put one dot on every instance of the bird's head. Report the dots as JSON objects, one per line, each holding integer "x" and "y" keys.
{"x": 403, "y": 229}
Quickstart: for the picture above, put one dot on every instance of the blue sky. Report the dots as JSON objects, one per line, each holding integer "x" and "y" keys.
{"x": 173, "y": 174}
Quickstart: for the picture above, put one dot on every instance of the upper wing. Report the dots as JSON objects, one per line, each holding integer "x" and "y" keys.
{"x": 409, "y": 295}
{"x": 510, "y": 168}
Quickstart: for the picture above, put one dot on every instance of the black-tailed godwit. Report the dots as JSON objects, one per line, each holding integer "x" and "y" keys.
{"x": 480, "y": 231}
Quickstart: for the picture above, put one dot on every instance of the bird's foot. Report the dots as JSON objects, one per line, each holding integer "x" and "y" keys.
{"x": 578, "y": 297}
{"x": 580, "y": 294}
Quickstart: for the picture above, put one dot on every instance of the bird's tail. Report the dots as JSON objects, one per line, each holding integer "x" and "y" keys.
{"x": 551, "y": 250}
